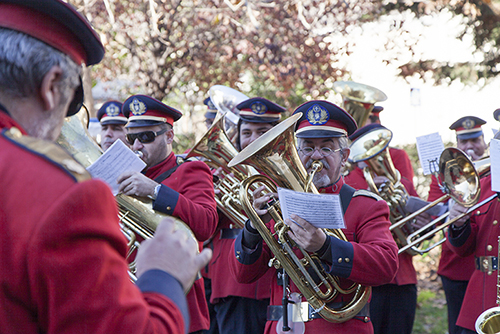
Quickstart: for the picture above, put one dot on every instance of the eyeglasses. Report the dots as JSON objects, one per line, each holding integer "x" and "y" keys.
{"x": 144, "y": 137}
{"x": 324, "y": 151}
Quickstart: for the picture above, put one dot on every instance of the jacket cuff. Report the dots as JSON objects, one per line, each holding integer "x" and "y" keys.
{"x": 459, "y": 235}
{"x": 161, "y": 282}
{"x": 166, "y": 200}
{"x": 341, "y": 254}
{"x": 245, "y": 254}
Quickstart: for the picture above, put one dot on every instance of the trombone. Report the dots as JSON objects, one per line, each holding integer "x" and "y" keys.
{"x": 461, "y": 183}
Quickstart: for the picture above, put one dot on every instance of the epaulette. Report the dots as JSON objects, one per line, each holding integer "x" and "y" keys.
{"x": 49, "y": 151}
{"x": 363, "y": 192}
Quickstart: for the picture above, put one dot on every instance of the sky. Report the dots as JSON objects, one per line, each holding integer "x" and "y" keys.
{"x": 439, "y": 106}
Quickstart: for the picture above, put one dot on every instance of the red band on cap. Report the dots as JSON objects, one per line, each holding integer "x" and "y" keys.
{"x": 44, "y": 28}
{"x": 330, "y": 125}
{"x": 153, "y": 115}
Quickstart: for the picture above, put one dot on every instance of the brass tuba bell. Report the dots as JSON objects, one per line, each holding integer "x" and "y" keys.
{"x": 216, "y": 149}
{"x": 225, "y": 100}
{"x": 358, "y": 99}
{"x": 275, "y": 154}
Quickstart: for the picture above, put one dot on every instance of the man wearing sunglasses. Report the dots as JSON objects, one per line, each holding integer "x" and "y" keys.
{"x": 112, "y": 124}
{"x": 184, "y": 190}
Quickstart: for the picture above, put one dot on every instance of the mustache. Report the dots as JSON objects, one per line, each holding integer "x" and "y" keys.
{"x": 325, "y": 163}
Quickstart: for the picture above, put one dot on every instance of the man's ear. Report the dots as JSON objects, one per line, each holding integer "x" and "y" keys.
{"x": 170, "y": 136}
{"x": 345, "y": 155}
{"x": 49, "y": 90}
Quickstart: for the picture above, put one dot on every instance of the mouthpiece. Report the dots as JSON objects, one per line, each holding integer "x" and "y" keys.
{"x": 139, "y": 154}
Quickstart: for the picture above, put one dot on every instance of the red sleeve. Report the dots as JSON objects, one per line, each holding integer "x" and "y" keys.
{"x": 375, "y": 260}
{"x": 79, "y": 236}
{"x": 196, "y": 204}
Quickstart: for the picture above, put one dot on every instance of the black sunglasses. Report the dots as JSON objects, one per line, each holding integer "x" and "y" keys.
{"x": 144, "y": 137}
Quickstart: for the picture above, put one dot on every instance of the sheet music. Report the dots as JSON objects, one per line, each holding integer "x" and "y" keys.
{"x": 117, "y": 159}
{"x": 429, "y": 149}
{"x": 495, "y": 164}
{"x": 321, "y": 210}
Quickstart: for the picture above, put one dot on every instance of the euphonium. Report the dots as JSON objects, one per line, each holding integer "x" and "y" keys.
{"x": 372, "y": 148}
{"x": 135, "y": 214}
{"x": 358, "y": 99}
{"x": 275, "y": 154}
{"x": 488, "y": 322}
{"x": 217, "y": 150}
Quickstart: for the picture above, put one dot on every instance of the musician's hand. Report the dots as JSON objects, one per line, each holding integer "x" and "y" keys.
{"x": 217, "y": 175}
{"x": 136, "y": 184}
{"x": 421, "y": 220}
{"x": 306, "y": 235}
{"x": 173, "y": 252}
{"x": 259, "y": 202}
{"x": 455, "y": 211}
{"x": 378, "y": 180}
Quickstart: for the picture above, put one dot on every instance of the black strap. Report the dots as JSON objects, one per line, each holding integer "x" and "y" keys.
{"x": 160, "y": 178}
{"x": 346, "y": 193}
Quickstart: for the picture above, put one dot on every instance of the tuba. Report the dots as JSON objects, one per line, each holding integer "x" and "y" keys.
{"x": 372, "y": 148}
{"x": 217, "y": 150}
{"x": 358, "y": 99}
{"x": 488, "y": 322}
{"x": 136, "y": 215}
{"x": 225, "y": 100}
{"x": 275, "y": 154}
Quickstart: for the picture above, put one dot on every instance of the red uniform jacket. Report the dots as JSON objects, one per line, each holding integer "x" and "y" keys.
{"x": 223, "y": 282}
{"x": 63, "y": 267}
{"x": 451, "y": 265}
{"x": 188, "y": 193}
{"x": 371, "y": 251}
{"x": 406, "y": 272}
{"x": 479, "y": 238}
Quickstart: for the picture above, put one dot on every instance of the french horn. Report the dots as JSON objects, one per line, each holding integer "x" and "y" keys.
{"x": 136, "y": 215}
{"x": 275, "y": 155}
{"x": 358, "y": 99}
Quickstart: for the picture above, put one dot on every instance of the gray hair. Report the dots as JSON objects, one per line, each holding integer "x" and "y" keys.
{"x": 24, "y": 61}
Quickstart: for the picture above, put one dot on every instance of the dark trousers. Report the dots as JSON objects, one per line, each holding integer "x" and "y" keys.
{"x": 461, "y": 330}
{"x": 211, "y": 311}
{"x": 241, "y": 315}
{"x": 454, "y": 292}
{"x": 392, "y": 308}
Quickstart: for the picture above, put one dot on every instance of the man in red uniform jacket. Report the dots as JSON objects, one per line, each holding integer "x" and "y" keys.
{"x": 369, "y": 257}
{"x": 241, "y": 308}
{"x": 63, "y": 267}
{"x": 113, "y": 122}
{"x": 455, "y": 271}
{"x": 184, "y": 190}
{"x": 393, "y": 305}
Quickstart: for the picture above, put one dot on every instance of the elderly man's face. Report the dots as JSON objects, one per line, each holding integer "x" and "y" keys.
{"x": 331, "y": 163}
{"x": 474, "y": 147}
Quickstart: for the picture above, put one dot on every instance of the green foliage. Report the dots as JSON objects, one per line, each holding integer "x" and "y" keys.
{"x": 430, "y": 317}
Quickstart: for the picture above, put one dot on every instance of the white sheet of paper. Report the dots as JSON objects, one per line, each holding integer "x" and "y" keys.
{"x": 429, "y": 149}
{"x": 321, "y": 210}
{"x": 117, "y": 159}
{"x": 495, "y": 164}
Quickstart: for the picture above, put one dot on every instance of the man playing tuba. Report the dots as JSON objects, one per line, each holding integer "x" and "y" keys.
{"x": 368, "y": 257}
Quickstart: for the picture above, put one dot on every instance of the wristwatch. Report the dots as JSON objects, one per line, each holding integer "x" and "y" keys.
{"x": 156, "y": 191}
